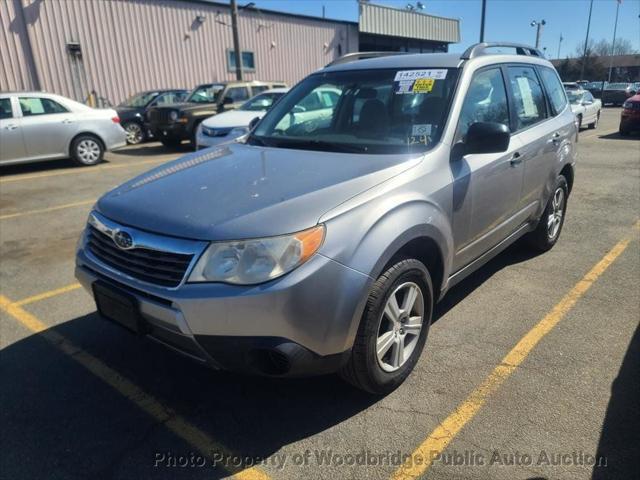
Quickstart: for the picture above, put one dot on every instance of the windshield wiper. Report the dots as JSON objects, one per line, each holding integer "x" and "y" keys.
{"x": 313, "y": 144}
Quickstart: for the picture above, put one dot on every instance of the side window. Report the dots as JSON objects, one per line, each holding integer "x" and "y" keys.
{"x": 311, "y": 102}
{"x": 5, "y": 108}
{"x": 528, "y": 98}
{"x": 329, "y": 98}
{"x": 166, "y": 99}
{"x": 486, "y": 101}
{"x": 238, "y": 94}
{"x": 555, "y": 90}
{"x": 39, "y": 106}
{"x": 256, "y": 89}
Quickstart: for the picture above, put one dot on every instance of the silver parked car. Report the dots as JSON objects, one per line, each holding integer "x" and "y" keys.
{"x": 38, "y": 126}
{"x": 322, "y": 244}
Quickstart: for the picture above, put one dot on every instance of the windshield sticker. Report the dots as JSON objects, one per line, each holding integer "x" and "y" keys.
{"x": 417, "y": 81}
{"x": 418, "y": 139}
{"x": 421, "y": 130}
{"x": 440, "y": 74}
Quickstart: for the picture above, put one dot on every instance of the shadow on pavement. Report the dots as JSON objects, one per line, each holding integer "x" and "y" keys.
{"x": 154, "y": 148}
{"x": 516, "y": 253}
{"x": 616, "y": 136}
{"x": 64, "y": 419}
{"x": 36, "y": 167}
{"x": 620, "y": 437}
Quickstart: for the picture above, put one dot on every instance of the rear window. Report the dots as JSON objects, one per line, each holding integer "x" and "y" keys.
{"x": 5, "y": 108}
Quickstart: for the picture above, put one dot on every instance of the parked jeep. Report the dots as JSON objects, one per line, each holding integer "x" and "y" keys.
{"x": 175, "y": 123}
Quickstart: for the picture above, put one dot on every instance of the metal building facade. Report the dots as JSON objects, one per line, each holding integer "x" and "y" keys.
{"x": 118, "y": 47}
{"x": 392, "y": 22}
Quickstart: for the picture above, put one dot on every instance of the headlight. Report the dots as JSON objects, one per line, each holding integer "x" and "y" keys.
{"x": 173, "y": 115}
{"x": 238, "y": 131}
{"x": 247, "y": 262}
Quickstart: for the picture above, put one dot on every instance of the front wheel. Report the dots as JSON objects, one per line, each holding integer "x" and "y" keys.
{"x": 87, "y": 150}
{"x": 393, "y": 329}
{"x": 135, "y": 133}
{"x": 595, "y": 122}
{"x": 546, "y": 234}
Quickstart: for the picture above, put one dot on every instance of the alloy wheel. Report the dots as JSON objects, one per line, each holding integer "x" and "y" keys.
{"x": 400, "y": 326}
{"x": 134, "y": 133}
{"x": 554, "y": 220}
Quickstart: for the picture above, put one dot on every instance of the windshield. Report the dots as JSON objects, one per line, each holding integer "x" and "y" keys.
{"x": 262, "y": 102}
{"x": 139, "y": 99}
{"x": 376, "y": 111}
{"x": 574, "y": 97}
{"x": 206, "y": 93}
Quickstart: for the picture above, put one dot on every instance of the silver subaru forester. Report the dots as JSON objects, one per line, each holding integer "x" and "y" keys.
{"x": 321, "y": 241}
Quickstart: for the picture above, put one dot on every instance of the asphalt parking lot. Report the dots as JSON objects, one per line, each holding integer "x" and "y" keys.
{"x": 530, "y": 371}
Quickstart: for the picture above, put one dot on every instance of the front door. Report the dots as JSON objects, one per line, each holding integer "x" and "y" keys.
{"x": 11, "y": 137}
{"x": 487, "y": 187}
{"x": 48, "y": 127}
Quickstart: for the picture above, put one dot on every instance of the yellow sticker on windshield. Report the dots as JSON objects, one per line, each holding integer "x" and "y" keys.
{"x": 423, "y": 85}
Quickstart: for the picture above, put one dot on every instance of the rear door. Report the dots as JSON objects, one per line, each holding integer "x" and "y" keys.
{"x": 487, "y": 187}
{"x": 12, "y": 146}
{"x": 535, "y": 125}
{"x": 48, "y": 126}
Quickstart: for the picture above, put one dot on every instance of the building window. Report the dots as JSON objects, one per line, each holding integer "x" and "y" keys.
{"x": 248, "y": 61}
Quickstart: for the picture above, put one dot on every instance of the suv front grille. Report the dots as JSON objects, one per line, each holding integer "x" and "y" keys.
{"x": 161, "y": 116}
{"x": 152, "y": 266}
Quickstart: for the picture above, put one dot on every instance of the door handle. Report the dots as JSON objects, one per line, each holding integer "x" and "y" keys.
{"x": 555, "y": 138}
{"x": 11, "y": 127}
{"x": 67, "y": 121}
{"x": 516, "y": 159}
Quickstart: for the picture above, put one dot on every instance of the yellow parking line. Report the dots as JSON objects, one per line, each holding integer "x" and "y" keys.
{"x": 78, "y": 171}
{"x": 45, "y": 210}
{"x": 444, "y": 433}
{"x": 178, "y": 425}
{"x": 48, "y": 294}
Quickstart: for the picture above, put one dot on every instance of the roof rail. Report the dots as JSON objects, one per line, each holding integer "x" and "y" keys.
{"x": 352, "y": 57}
{"x": 481, "y": 49}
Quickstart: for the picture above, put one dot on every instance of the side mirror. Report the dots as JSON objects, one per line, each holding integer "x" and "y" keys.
{"x": 253, "y": 123}
{"x": 587, "y": 103}
{"x": 298, "y": 109}
{"x": 487, "y": 137}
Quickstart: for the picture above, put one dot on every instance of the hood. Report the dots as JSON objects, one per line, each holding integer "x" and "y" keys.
{"x": 232, "y": 118}
{"x": 128, "y": 112}
{"x": 189, "y": 106}
{"x": 242, "y": 191}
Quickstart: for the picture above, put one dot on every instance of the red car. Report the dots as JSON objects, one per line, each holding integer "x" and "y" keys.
{"x": 630, "y": 116}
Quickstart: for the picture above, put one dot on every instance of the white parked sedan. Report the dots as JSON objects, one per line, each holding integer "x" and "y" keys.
{"x": 227, "y": 126}
{"x": 585, "y": 107}
{"x": 38, "y": 126}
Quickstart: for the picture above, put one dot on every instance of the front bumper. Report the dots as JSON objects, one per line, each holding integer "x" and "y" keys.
{"x": 173, "y": 131}
{"x": 303, "y": 323}
{"x": 205, "y": 141}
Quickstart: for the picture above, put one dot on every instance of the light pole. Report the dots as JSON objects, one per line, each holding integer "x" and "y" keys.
{"x": 559, "y": 45}
{"x": 613, "y": 44}
{"x": 484, "y": 12}
{"x": 586, "y": 42}
{"x": 236, "y": 39}
{"x": 539, "y": 24}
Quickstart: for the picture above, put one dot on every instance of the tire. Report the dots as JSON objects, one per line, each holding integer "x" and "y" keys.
{"x": 87, "y": 150}
{"x": 171, "y": 142}
{"x": 546, "y": 235}
{"x": 623, "y": 132}
{"x": 135, "y": 133}
{"x": 382, "y": 374}
{"x": 594, "y": 125}
{"x": 579, "y": 122}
